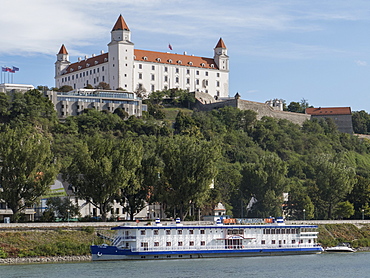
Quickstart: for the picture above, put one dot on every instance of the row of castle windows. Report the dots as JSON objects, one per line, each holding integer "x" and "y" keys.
{"x": 177, "y": 70}
{"x": 177, "y": 80}
{"x": 82, "y": 74}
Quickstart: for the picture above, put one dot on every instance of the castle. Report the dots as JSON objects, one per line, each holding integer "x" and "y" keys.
{"x": 134, "y": 70}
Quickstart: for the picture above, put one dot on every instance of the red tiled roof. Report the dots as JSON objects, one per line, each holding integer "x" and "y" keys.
{"x": 220, "y": 44}
{"x": 93, "y": 61}
{"x": 174, "y": 59}
{"x": 148, "y": 56}
{"x": 329, "y": 111}
{"x": 120, "y": 24}
{"x": 63, "y": 50}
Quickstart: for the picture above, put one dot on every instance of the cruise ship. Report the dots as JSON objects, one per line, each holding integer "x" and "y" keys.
{"x": 225, "y": 238}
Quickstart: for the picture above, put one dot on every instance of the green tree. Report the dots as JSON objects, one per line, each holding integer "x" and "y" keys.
{"x": 334, "y": 180}
{"x": 344, "y": 210}
{"x": 189, "y": 167}
{"x": 62, "y": 208}
{"x": 265, "y": 180}
{"x": 103, "y": 85}
{"x": 101, "y": 168}
{"x": 65, "y": 89}
{"x": 27, "y": 167}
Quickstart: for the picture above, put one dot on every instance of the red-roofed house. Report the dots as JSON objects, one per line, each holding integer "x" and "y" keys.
{"x": 133, "y": 69}
{"x": 342, "y": 116}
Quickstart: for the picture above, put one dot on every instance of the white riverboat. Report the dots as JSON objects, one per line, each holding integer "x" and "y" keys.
{"x": 247, "y": 237}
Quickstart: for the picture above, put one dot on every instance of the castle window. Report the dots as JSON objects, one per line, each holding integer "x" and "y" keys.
{"x": 79, "y": 67}
{"x": 197, "y": 81}
{"x": 87, "y": 65}
{"x": 71, "y": 70}
{"x": 218, "y": 74}
{"x": 153, "y": 77}
{"x": 105, "y": 59}
{"x": 103, "y": 78}
{"x": 102, "y": 68}
{"x": 190, "y": 63}
{"x": 84, "y": 74}
{"x": 69, "y": 78}
{"x": 187, "y": 71}
{"x": 97, "y": 70}
{"x": 140, "y": 76}
{"x": 158, "y": 59}
{"x": 80, "y": 74}
{"x": 153, "y": 88}
{"x": 165, "y": 69}
{"x": 169, "y": 60}
{"x": 166, "y": 78}
{"x": 153, "y": 67}
{"x": 197, "y": 72}
{"x": 179, "y": 62}
{"x": 218, "y": 83}
{"x": 94, "y": 71}
{"x": 177, "y": 70}
{"x": 187, "y": 80}
{"x": 140, "y": 66}
{"x": 145, "y": 58}
{"x": 91, "y": 72}
{"x": 73, "y": 77}
{"x": 177, "y": 80}
{"x": 206, "y": 73}
{"x": 203, "y": 64}
{"x": 212, "y": 65}
{"x": 96, "y": 62}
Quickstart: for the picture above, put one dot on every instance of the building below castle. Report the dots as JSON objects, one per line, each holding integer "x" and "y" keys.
{"x": 134, "y": 70}
{"x": 74, "y": 102}
{"x": 342, "y": 116}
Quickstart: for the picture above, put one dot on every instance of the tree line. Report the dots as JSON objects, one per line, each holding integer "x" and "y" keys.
{"x": 259, "y": 168}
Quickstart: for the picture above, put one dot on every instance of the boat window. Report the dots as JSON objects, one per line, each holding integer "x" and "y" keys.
{"x": 155, "y": 232}
{"x": 263, "y": 242}
{"x": 278, "y": 231}
{"x": 168, "y": 232}
{"x": 241, "y": 231}
{"x": 272, "y": 231}
{"x": 142, "y": 232}
{"x": 288, "y": 231}
{"x": 268, "y": 231}
{"x": 191, "y": 243}
{"x": 293, "y": 241}
{"x": 273, "y": 241}
{"x": 202, "y": 232}
{"x": 191, "y": 232}
{"x": 179, "y": 243}
{"x": 179, "y": 232}
{"x": 283, "y": 231}
{"x": 168, "y": 243}
{"x": 202, "y": 243}
{"x": 156, "y": 244}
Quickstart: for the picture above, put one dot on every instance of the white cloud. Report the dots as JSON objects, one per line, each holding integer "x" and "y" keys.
{"x": 361, "y": 63}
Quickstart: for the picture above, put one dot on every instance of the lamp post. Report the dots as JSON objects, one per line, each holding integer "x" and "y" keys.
{"x": 363, "y": 214}
{"x": 68, "y": 210}
{"x": 304, "y": 214}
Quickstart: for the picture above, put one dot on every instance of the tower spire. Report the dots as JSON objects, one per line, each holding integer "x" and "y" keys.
{"x": 63, "y": 50}
{"x": 120, "y": 24}
{"x": 220, "y": 44}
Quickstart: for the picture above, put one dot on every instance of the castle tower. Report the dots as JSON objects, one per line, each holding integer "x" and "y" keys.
{"x": 220, "y": 56}
{"x": 62, "y": 61}
{"x": 121, "y": 57}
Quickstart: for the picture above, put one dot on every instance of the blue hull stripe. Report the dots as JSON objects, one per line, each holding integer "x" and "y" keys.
{"x": 112, "y": 250}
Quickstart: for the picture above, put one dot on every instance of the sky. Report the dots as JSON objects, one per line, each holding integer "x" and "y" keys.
{"x": 317, "y": 50}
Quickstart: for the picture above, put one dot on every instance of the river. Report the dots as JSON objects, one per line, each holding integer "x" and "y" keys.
{"x": 322, "y": 265}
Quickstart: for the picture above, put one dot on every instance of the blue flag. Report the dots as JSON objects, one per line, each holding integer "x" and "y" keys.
{"x": 3, "y": 69}
{"x": 15, "y": 68}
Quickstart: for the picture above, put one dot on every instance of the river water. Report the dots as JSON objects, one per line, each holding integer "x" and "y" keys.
{"x": 322, "y": 265}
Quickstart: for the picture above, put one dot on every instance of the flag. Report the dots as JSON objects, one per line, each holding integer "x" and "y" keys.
{"x": 11, "y": 70}
{"x": 170, "y": 46}
{"x": 15, "y": 68}
{"x": 4, "y": 69}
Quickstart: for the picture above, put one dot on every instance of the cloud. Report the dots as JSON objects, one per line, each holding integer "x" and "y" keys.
{"x": 361, "y": 63}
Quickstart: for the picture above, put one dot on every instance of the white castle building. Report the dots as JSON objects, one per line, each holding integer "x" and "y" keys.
{"x": 133, "y": 69}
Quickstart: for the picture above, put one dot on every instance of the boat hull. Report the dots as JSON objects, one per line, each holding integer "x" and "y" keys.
{"x": 109, "y": 253}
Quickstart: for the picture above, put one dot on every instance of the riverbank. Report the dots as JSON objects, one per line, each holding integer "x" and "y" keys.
{"x": 54, "y": 259}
